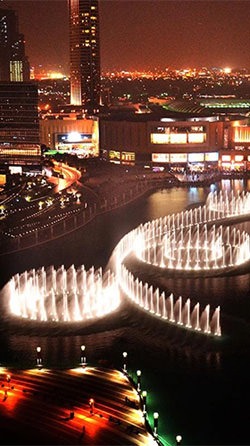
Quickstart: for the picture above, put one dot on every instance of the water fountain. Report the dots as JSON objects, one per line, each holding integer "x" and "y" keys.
{"x": 193, "y": 240}
{"x": 63, "y": 295}
{"x": 174, "y": 311}
{"x": 223, "y": 204}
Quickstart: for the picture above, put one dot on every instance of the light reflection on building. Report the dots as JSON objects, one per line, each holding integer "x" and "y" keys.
{"x": 241, "y": 134}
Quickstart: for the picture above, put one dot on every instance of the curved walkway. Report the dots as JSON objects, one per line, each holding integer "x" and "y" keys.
{"x": 84, "y": 405}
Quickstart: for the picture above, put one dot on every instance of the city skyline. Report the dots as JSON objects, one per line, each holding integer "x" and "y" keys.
{"x": 141, "y": 35}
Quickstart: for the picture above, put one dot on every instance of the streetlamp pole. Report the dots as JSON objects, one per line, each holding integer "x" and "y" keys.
{"x": 125, "y": 361}
{"x": 144, "y": 402}
{"x": 39, "y": 357}
{"x": 156, "y": 416}
{"x": 8, "y": 379}
{"x": 83, "y": 358}
{"x": 91, "y": 405}
{"x": 138, "y": 380}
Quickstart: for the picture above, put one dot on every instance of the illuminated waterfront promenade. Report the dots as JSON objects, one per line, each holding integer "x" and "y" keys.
{"x": 178, "y": 357}
{"x": 84, "y": 405}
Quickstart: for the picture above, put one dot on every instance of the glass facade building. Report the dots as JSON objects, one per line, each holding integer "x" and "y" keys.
{"x": 19, "y": 125}
{"x": 84, "y": 54}
{"x": 14, "y": 65}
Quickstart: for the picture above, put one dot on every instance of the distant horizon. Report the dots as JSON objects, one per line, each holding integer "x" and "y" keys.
{"x": 59, "y": 70}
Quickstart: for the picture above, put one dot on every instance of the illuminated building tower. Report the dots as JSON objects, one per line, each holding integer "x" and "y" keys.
{"x": 84, "y": 54}
{"x": 19, "y": 125}
{"x": 14, "y": 65}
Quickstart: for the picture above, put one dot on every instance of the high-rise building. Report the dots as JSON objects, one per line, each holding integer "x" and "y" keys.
{"x": 19, "y": 125}
{"x": 84, "y": 54}
{"x": 14, "y": 65}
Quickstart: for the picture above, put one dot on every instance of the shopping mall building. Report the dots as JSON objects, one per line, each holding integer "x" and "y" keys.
{"x": 191, "y": 143}
{"x": 180, "y": 136}
{"x": 70, "y": 133}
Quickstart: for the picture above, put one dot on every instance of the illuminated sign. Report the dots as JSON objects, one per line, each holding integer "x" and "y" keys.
{"x": 226, "y": 158}
{"x": 160, "y": 157}
{"x": 177, "y": 138}
{"x": 196, "y": 138}
{"x": 15, "y": 169}
{"x": 74, "y": 137}
{"x": 159, "y": 138}
{"x": 128, "y": 156}
{"x": 71, "y": 137}
{"x": 178, "y": 157}
{"x": 238, "y": 158}
{"x": 195, "y": 157}
{"x": 211, "y": 156}
{"x": 2, "y": 179}
{"x": 113, "y": 154}
{"x": 196, "y": 128}
{"x": 82, "y": 145}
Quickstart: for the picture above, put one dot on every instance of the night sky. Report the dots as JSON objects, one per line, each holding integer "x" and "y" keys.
{"x": 143, "y": 34}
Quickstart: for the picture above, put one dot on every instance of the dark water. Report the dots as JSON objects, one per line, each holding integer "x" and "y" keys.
{"x": 199, "y": 387}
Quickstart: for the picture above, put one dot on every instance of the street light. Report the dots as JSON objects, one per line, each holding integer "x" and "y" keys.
{"x": 83, "y": 358}
{"x": 91, "y": 405}
{"x": 39, "y": 357}
{"x": 144, "y": 402}
{"x": 8, "y": 379}
{"x": 178, "y": 439}
{"x": 124, "y": 361}
{"x": 156, "y": 416}
{"x": 138, "y": 380}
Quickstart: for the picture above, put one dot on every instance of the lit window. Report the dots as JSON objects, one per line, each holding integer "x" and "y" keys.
{"x": 226, "y": 157}
{"x": 238, "y": 158}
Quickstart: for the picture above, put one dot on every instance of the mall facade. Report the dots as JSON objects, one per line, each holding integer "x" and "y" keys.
{"x": 193, "y": 144}
{"x": 70, "y": 133}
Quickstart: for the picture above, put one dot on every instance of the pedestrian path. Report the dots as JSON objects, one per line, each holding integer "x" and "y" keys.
{"x": 77, "y": 406}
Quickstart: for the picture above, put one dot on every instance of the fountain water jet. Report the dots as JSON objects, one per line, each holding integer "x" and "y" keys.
{"x": 63, "y": 295}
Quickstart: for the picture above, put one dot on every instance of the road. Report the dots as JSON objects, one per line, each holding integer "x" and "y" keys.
{"x": 60, "y": 205}
{"x": 35, "y": 407}
{"x": 70, "y": 176}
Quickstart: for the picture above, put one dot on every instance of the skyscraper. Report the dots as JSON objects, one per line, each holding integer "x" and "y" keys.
{"x": 19, "y": 125}
{"x": 84, "y": 54}
{"x": 14, "y": 65}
